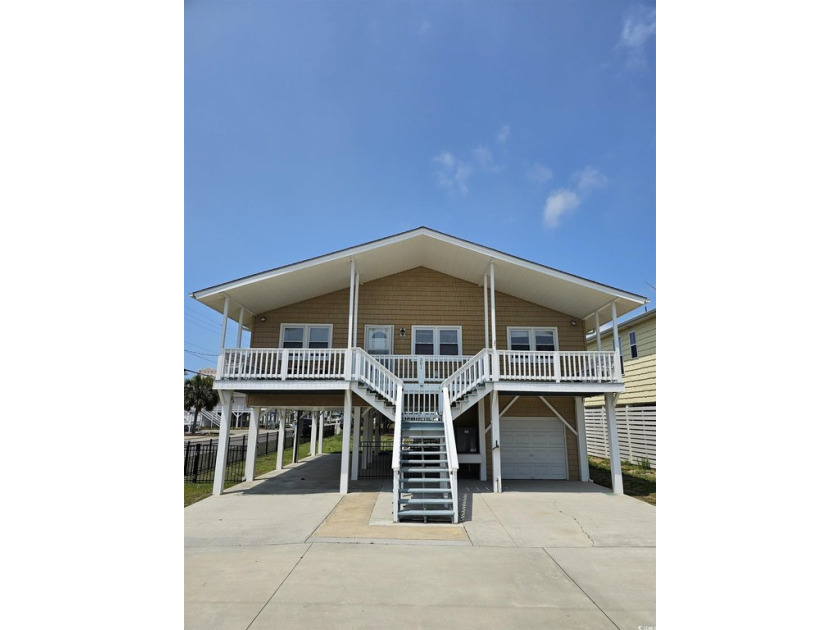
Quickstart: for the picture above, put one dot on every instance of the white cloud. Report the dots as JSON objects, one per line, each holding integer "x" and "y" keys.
{"x": 451, "y": 172}
{"x": 539, "y": 173}
{"x": 503, "y": 134}
{"x": 590, "y": 178}
{"x": 559, "y": 202}
{"x": 483, "y": 158}
{"x": 639, "y": 26}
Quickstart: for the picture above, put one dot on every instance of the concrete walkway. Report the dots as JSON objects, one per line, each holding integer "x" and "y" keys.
{"x": 288, "y": 551}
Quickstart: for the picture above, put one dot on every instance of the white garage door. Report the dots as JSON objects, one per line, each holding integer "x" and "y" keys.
{"x": 533, "y": 448}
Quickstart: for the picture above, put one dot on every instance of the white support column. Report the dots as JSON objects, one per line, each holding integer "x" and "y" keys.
{"x": 583, "y": 454}
{"x": 226, "y": 400}
{"x": 352, "y": 303}
{"x": 615, "y": 454}
{"x": 493, "y": 304}
{"x": 617, "y": 346}
{"x": 356, "y": 315}
{"x": 344, "y": 484}
{"x": 313, "y": 431}
{"x": 495, "y": 435}
{"x": 376, "y": 436}
{"x": 482, "y": 442}
{"x": 253, "y": 437}
{"x": 320, "y": 432}
{"x": 239, "y": 329}
{"x": 357, "y": 421}
{"x": 495, "y": 362}
{"x": 224, "y": 326}
{"x": 598, "y": 330}
{"x": 281, "y": 436}
{"x": 486, "y": 321}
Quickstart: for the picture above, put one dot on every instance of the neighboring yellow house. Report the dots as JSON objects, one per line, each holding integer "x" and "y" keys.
{"x": 638, "y": 356}
{"x": 636, "y": 407}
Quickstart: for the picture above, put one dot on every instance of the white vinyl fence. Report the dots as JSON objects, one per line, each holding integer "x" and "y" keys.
{"x": 636, "y": 433}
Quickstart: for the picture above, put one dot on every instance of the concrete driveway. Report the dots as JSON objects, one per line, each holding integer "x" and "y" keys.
{"x": 288, "y": 551}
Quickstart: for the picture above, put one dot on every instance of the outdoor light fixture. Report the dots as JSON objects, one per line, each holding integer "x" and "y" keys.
{"x": 402, "y": 332}
{"x": 262, "y": 319}
{"x": 574, "y": 323}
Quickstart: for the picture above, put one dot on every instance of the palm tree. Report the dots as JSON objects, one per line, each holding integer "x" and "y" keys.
{"x": 199, "y": 393}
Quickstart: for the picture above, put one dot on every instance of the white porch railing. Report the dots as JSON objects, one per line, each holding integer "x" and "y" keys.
{"x": 559, "y": 366}
{"x": 273, "y": 363}
{"x": 460, "y": 373}
{"x": 422, "y": 368}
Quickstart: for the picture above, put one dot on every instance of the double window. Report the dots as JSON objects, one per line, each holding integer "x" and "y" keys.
{"x": 306, "y": 336}
{"x": 544, "y": 339}
{"x": 445, "y": 340}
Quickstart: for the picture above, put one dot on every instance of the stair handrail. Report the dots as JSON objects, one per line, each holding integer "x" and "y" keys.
{"x": 383, "y": 381}
{"x": 451, "y": 449}
{"x": 469, "y": 376}
{"x": 395, "y": 457}
{"x": 396, "y": 453}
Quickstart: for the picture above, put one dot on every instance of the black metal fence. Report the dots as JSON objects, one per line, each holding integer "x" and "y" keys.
{"x": 200, "y": 456}
{"x": 375, "y": 462}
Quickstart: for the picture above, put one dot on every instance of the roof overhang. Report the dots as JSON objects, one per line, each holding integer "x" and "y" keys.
{"x": 421, "y": 247}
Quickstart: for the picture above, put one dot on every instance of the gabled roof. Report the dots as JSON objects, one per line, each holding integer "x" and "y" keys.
{"x": 421, "y": 247}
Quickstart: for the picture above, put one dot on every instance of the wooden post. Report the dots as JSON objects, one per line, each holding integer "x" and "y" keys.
{"x": 356, "y": 315}
{"x": 313, "y": 430}
{"x": 320, "y": 431}
{"x": 344, "y": 483}
{"x": 225, "y": 399}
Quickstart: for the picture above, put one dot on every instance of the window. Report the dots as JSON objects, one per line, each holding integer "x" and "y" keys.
{"x": 542, "y": 339}
{"x": 634, "y": 351}
{"x": 306, "y": 336}
{"x": 444, "y": 340}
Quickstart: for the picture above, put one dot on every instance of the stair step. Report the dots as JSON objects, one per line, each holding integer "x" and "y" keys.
{"x": 426, "y": 513}
{"x": 404, "y": 490}
{"x": 425, "y": 501}
{"x": 424, "y": 461}
{"x": 424, "y": 470}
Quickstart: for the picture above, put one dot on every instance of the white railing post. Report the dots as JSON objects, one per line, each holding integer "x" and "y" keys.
{"x": 556, "y": 366}
{"x": 618, "y": 377}
{"x": 220, "y": 365}
{"x": 421, "y": 370}
{"x": 496, "y": 371}
{"x": 348, "y": 364}
{"x": 284, "y": 365}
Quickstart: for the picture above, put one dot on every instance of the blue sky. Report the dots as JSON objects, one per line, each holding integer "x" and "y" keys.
{"x": 529, "y": 127}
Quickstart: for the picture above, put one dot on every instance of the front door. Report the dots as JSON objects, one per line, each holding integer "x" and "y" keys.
{"x": 378, "y": 339}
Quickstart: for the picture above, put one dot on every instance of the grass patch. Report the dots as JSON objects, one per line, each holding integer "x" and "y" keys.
{"x": 639, "y": 481}
{"x": 194, "y": 492}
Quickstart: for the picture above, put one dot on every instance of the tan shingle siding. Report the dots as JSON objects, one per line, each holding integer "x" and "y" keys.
{"x": 415, "y": 298}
